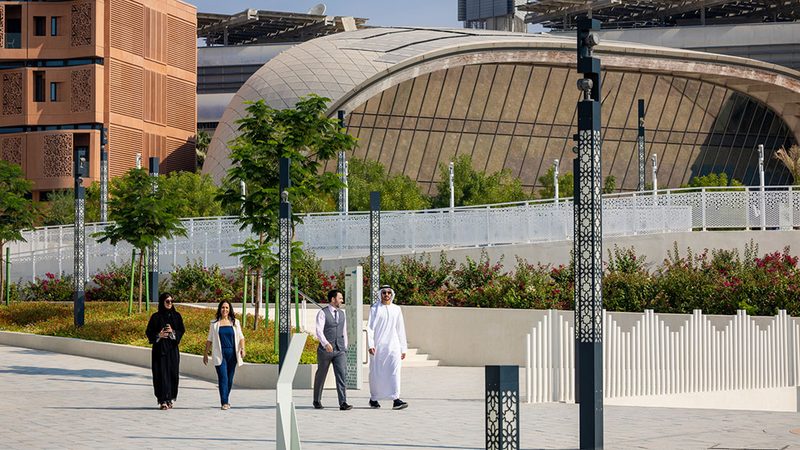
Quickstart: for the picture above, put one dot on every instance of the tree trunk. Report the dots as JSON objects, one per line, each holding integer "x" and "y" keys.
{"x": 141, "y": 275}
{"x": 257, "y": 300}
{"x": 3, "y": 281}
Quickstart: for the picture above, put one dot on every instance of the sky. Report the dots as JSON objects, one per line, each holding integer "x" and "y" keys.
{"x": 424, "y": 13}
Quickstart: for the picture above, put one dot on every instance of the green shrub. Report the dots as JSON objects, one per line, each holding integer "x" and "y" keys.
{"x": 50, "y": 288}
{"x": 195, "y": 283}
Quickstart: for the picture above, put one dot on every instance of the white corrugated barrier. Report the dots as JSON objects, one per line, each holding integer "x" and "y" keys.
{"x": 651, "y": 355}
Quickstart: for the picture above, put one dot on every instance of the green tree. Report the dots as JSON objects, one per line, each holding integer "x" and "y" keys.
{"x": 59, "y": 209}
{"x": 565, "y": 183}
{"x": 472, "y": 187}
{"x": 713, "y": 180}
{"x": 398, "y": 192}
{"x": 304, "y": 135}
{"x": 17, "y": 213}
{"x": 609, "y": 185}
{"x": 141, "y": 217}
{"x": 791, "y": 159}
{"x": 194, "y": 194}
{"x": 202, "y": 140}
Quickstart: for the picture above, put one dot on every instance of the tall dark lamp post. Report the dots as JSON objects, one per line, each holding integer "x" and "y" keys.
{"x": 284, "y": 261}
{"x": 589, "y": 243}
{"x": 81, "y": 170}
{"x": 374, "y": 245}
{"x": 640, "y": 146}
{"x": 153, "y": 256}
{"x": 103, "y": 175}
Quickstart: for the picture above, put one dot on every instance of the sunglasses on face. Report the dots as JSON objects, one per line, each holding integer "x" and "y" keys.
{"x": 169, "y": 300}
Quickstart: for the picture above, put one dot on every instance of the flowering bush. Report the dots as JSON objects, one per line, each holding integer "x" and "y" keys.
{"x": 111, "y": 285}
{"x": 196, "y": 283}
{"x": 50, "y": 288}
{"x": 420, "y": 281}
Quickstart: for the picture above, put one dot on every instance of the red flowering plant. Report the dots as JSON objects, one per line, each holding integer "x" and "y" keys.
{"x": 51, "y": 288}
{"x": 417, "y": 281}
{"x": 112, "y": 284}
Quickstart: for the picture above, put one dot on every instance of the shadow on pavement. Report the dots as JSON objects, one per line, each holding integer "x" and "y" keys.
{"x": 83, "y": 373}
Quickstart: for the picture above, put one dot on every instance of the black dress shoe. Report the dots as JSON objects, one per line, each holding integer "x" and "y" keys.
{"x": 344, "y": 406}
{"x": 374, "y": 404}
{"x": 318, "y": 405}
{"x": 399, "y": 404}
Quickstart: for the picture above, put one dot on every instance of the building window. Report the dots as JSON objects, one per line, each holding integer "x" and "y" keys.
{"x": 39, "y": 25}
{"x": 54, "y": 26}
{"x": 38, "y": 86}
{"x": 54, "y": 91}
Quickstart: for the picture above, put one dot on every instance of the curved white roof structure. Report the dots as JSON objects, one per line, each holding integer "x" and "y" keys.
{"x": 353, "y": 67}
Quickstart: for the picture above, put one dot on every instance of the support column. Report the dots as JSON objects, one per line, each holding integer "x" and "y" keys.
{"x": 342, "y": 170}
{"x": 589, "y": 243}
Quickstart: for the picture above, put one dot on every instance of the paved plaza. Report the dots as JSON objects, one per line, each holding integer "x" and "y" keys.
{"x": 59, "y": 401}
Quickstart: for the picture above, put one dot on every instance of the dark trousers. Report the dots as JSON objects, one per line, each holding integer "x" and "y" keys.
{"x": 324, "y": 360}
{"x": 225, "y": 373}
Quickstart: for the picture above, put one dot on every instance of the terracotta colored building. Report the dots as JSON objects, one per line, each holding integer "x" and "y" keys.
{"x": 71, "y": 69}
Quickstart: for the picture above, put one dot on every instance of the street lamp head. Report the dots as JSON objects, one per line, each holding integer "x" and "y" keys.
{"x": 585, "y": 85}
{"x": 591, "y": 40}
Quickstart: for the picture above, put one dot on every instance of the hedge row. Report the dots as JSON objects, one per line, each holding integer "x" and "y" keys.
{"x": 717, "y": 281}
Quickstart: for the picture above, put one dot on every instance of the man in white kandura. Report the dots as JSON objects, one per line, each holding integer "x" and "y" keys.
{"x": 386, "y": 339}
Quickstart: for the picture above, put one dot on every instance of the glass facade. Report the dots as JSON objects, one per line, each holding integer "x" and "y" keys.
{"x": 521, "y": 117}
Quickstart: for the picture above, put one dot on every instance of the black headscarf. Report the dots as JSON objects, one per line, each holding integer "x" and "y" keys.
{"x": 165, "y": 316}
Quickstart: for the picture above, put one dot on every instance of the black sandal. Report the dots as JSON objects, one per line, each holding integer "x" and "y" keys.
{"x": 163, "y": 406}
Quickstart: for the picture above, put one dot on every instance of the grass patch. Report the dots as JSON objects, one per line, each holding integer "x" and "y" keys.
{"x": 110, "y": 322}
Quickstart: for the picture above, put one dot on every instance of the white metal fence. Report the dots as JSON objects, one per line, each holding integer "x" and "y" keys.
{"x": 651, "y": 354}
{"x": 335, "y": 235}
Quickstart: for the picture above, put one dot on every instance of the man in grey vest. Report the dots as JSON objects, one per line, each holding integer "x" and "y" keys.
{"x": 332, "y": 336}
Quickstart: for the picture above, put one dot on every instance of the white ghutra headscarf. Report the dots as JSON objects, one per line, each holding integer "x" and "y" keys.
{"x": 383, "y": 288}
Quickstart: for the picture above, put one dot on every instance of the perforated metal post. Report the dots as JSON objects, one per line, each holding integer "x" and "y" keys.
{"x": 342, "y": 171}
{"x": 761, "y": 203}
{"x": 654, "y": 158}
{"x": 152, "y": 257}
{"x": 103, "y": 175}
{"x": 284, "y": 261}
{"x": 589, "y": 243}
{"x": 374, "y": 245}
{"x": 80, "y": 170}
{"x": 452, "y": 185}
{"x": 502, "y": 407}
{"x": 640, "y": 146}
{"x": 555, "y": 180}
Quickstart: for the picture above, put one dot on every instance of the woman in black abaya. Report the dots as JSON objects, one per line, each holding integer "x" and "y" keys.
{"x": 165, "y": 331}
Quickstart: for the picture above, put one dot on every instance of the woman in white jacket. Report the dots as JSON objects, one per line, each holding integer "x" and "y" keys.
{"x": 226, "y": 342}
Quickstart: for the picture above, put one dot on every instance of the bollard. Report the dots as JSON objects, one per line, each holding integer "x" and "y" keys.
{"x": 502, "y": 407}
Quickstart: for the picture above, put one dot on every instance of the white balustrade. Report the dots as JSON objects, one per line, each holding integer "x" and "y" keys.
{"x": 335, "y": 235}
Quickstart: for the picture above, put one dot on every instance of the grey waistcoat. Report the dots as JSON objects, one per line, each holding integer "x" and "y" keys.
{"x": 334, "y": 332}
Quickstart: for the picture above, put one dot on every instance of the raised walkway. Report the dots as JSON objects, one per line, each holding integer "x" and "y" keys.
{"x": 60, "y": 401}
